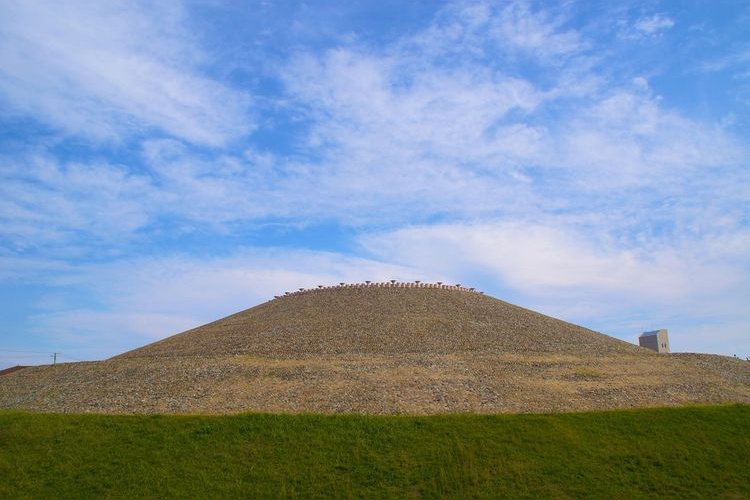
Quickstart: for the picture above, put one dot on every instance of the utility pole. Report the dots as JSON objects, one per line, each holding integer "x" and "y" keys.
{"x": 54, "y": 358}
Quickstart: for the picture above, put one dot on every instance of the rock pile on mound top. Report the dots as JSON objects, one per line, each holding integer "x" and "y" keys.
{"x": 381, "y": 348}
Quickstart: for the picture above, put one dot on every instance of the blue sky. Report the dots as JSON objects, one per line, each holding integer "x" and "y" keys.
{"x": 163, "y": 164}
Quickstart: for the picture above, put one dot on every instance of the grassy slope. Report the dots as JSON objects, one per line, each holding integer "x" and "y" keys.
{"x": 681, "y": 453}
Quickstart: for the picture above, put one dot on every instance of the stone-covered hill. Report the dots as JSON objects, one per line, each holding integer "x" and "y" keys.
{"x": 381, "y": 348}
{"x": 384, "y": 319}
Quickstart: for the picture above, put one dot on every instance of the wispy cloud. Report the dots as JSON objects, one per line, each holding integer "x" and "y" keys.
{"x": 106, "y": 70}
{"x": 399, "y": 125}
{"x": 640, "y": 27}
{"x": 653, "y": 24}
{"x": 551, "y": 258}
{"x": 508, "y": 30}
{"x": 735, "y": 60}
{"x": 46, "y": 203}
{"x": 395, "y": 135}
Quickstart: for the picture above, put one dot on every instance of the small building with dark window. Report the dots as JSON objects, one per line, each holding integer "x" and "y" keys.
{"x": 656, "y": 340}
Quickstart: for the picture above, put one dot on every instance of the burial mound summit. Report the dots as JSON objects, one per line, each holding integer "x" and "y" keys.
{"x": 383, "y": 319}
{"x": 382, "y": 284}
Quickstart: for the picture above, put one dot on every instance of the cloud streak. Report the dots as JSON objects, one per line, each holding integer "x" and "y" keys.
{"x": 107, "y": 70}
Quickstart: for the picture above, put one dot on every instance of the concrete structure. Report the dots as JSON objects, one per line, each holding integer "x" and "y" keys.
{"x": 656, "y": 340}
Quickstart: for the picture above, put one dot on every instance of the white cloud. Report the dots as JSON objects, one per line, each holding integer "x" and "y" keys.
{"x": 107, "y": 69}
{"x": 541, "y": 259}
{"x": 499, "y": 29}
{"x": 735, "y": 59}
{"x": 44, "y": 202}
{"x": 653, "y": 24}
{"x": 622, "y": 144}
{"x": 87, "y": 206}
{"x": 644, "y": 28}
{"x": 397, "y": 135}
{"x": 398, "y": 130}
{"x": 535, "y": 31}
{"x": 410, "y": 104}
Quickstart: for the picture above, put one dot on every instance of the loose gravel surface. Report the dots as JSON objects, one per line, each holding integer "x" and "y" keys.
{"x": 382, "y": 351}
{"x": 384, "y": 321}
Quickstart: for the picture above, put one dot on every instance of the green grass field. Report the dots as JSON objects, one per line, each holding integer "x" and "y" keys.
{"x": 696, "y": 452}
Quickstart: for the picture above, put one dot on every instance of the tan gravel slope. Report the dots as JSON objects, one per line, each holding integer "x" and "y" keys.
{"x": 375, "y": 320}
{"x": 381, "y": 350}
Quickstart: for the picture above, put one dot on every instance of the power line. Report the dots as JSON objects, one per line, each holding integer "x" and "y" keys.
{"x": 22, "y": 357}
{"x": 6, "y": 355}
{"x": 30, "y": 352}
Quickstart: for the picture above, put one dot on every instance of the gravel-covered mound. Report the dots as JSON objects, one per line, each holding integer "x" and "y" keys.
{"x": 381, "y": 349}
{"x": 384, "y": 320}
